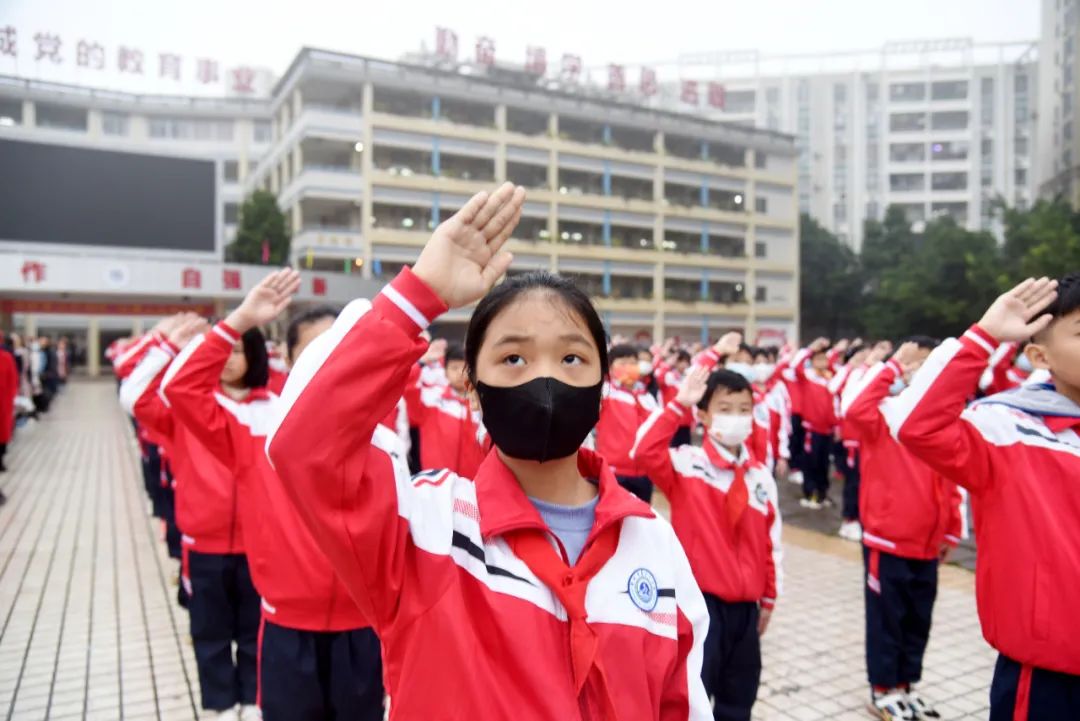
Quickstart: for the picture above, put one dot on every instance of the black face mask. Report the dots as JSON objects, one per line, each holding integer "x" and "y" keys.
{"x": 539, "y": 420}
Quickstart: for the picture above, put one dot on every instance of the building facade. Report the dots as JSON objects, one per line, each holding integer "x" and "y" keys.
{"x": 675, "y": 224}
{"x": 936, "y": 127}
{"x": 1059, "y": 117}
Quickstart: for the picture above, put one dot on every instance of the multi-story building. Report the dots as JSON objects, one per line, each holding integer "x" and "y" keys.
{"x": 936, "y": 127}
{"x": 676, "y": 224}
{"x": 115, "y": 209}
{"x": 1059, "y": 116}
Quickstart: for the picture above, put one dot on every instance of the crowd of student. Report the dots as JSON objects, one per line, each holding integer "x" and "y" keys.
{"x": 370, "y": 514}
{"x": 30, "y": 376}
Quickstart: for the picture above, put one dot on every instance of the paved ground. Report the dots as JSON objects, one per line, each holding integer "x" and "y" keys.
{"x": 89, "y": 628}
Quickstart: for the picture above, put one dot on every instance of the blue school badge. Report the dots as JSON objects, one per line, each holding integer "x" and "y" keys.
{"x": 761, "y": 494}
{"x": 642, "y": 589}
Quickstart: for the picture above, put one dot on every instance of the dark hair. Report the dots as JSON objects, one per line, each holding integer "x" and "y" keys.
{"x": 822, "y": 351}
{"x": 623, "y": 350}
{"x": 311, "y": 315}
{"x": 510, "y": 290}
{"x": 1068, "y": 298}
{"x": 729, "y": 380}
{"x": 258, "y": 361}
{"x": 747, "y": 348}
{"x": 683, "y": 356}
{"x": 454, "y": 352}
{"x": 923, "y": 341}
{"x": 853, "y": 351}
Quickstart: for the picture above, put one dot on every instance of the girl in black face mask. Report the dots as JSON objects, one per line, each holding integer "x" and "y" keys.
{"x": 539, "y": 589}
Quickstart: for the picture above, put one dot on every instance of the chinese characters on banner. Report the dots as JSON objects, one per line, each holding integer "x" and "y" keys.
{"x": 50, "y": 49}
{"x": 485, "y": 51}
{"x": 446, "y": 44}
{"x": 230, "y": 279}
{"x": 571, "y": 68}
{"x": 716, "y": 95}
{"x": 648, "y": 85}
{"x": 191, "y": 278}
{"x": 689, "y": 93}
{"x": 616, "y": 78}
{"x": 535, "y": 60}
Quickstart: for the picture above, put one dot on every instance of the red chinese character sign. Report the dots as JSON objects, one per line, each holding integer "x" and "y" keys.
{"x": 169, "y": 65}
{"x": 648, "y": 84}
{"x": 535, "y": 60}
{"x": 191, "y": 278}
{"x": 243, "y": 80}
{"x": 689, "y": 94}
{"x": 206, "y": 71}
{"x": 616, "y": 78}
{"x": 446, "y": 44}
{"x": 33, "y": 271}
{"x": 571, "y": 68}
{"x": 716, "y": 95}
{"x": 230, "y": 279}
{"x": 90, "y": 55}
{"x": 48, "y": 47}
{"x": 9, "y": 41}
{"x": 318, "y": 285}
{"x": 485, "y": 51}
{"x": 130, "y": 60}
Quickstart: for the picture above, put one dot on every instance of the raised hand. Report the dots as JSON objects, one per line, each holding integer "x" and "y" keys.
{"x": 907, "y": 356}
{"x": 842, "y": 345}
{"x": 728, "y": 344}
{"x": 189, "y": 326}
{"x": 464, "y": 256}
{"x": 1014, "y": 316}
{"x": 265, "y": 301}
{"x": 166, "y": 325}
{"x": 819, "y": 344}
{"x": 878, "y": 354}
{"x": 692, "y": 389}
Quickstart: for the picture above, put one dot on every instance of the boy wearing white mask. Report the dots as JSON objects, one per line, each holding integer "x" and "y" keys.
{"x": 725, "y": 511}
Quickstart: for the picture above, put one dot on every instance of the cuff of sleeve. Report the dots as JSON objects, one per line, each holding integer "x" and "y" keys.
{"x": 410, "y": 302}
{"x": 892, "y": 365}
{"x": 168, "y": 347}
{"x": 224, "y": 333}
{"x": 678, "y": 409}
{"x": 952, "y": 540}
{"x": 769, "y": 603}
{"x": 979, "y": 338}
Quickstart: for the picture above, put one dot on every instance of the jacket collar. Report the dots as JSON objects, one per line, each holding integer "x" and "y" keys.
{"x": 504, "y": 506}
{"x": 722, "y": 457}
{"x": 255, "y": 394}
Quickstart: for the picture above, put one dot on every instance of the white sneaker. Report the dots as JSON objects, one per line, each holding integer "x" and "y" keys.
{"x": 228, "y": 714}
{"x": 851, "y": 531}
{"x": 795, "y": 477}
{"x": 891, "y": 706}
{"x": 250, "y": 713}
{"x": 811, "y": 503}
{"x": 920, "y": 706}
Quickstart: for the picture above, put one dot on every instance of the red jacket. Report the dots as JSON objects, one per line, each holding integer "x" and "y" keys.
{"x": 668, "y": 380}
{"x": 622, "y": 412}
{"x": 207, "y": 502}
{"x": 817, "y": 405}
{"x": 759, "y": 443}
{"x": 469, "y": 630}
{"x": 735, "y": 563}
{"x": 1022, "y": 468}
{"x": 129, "y": 356}
{"x": 9, "y": 388}
{"x": 448, "y": 432}
{"x": 298, "y": 586}
{"x": 906, "y": 508}
{"x": 1003, "y": 373}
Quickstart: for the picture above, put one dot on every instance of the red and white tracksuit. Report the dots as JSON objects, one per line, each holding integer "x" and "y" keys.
{"x": 449, "y": 570}
{"x": 622, "y": 411}
{"x": 1021, "y": 469}
{"x": 449, "y": 430}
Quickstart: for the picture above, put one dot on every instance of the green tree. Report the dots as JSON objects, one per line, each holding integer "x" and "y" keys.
{"x": 1043, "y": 240}
{"x": 260, "y": 221}
{"x": 830, "y": 283}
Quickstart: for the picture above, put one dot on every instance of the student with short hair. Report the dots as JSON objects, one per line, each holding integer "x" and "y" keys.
{"x": 726, "y": 512}
{"x": 1018, "y": 454}
{"x": 625, "y": 406}
{"x": 449, "y": 425}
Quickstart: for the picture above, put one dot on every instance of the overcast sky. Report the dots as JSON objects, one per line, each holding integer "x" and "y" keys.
{"x": 269, "y": 32}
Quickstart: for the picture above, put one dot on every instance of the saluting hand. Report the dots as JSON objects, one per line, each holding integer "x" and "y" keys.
{"x": 692, "y": 389}
{"x": 1014, "y": 316}
{"x": 464, "y": 256}
{"x": 728, "y": 344}
{"x": 189, "y": 326}
{"x": 265, "y": 301}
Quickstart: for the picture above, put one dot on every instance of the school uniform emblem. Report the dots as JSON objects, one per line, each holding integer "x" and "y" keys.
{"x": 642, "y": 589}
{"x": 761, "y": 494}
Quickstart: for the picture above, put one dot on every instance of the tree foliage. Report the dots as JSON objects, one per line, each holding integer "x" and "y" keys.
{"x": 935, "y": 282}
{"x": 260, "y": 221}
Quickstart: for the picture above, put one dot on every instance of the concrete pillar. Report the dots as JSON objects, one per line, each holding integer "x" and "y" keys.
{"x": 297, "y": 218}
{"x": 136, "y": 327}
{"x": 500, "y": 147}
{"x": 297, "y": 103}
{"x": 29, "y": 116}
{"x": 93, "y": 123}
{"x": 93, "y": 347}
{"x": 659, "y": 321}
{"x": 30, "y": 330}
{"x": 367, "y": 166}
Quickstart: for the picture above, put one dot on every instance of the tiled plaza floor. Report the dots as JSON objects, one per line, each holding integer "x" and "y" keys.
{"x": 89, "y": 628}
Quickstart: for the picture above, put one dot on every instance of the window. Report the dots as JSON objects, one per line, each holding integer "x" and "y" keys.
{"x": 949, "y": 90}
{"x": 907, "y": 122}
{"x": 907, "y": 182}
{"x": 906, "y": 92}
{"x": 949, "y": 181}
{"x": 839, "y": 93}
{"x": 760, "y": 159}
{"x": 190, "y": 128}
{"x": 761, "y": 205}
{"x": 527, "y": 175}
{"x": 262, "y": 131}
{"x": 10, "y": 112}
{"x": 232, "y": 213}
{"x": 952, "y": 120}
{"x": 872, "y": 210}
{"x": 956, "y": 211}
{"x": 231, "y": 171}
{"x": 761, "y": 249}
{"x": 761, "y": 294}
{"x": 532, "y": 229}
{"x": 1021, "y": 176}
{"x": 61, "y": 117}
{"x": 739, "y": 101}
{"x": 463, "y": 112}
{"x": 954, "y": 150}
{"x": 840, "y": 212}
{"x": 526, "y": 122}
{"x": 915, "y": 212}
{"x": 907, "y": 152}
{"x": 1020, "y": 146}
{"x": 401, "y": 217}
{"x": 987, "y": 108}
{"x": 687, "y": 291}
{"x": 1020, "y": 83}
{"x": 114, "y": 123}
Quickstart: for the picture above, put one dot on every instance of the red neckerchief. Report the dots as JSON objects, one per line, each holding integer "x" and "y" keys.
{"x": 738, "y": 497}
{"x": 1057, "y": 424}
{"x": 505, "y": 510}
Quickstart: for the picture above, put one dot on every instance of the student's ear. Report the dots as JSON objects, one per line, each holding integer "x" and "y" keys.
{"x": 703, "y": 417}
{"x": 1036, "y": 353}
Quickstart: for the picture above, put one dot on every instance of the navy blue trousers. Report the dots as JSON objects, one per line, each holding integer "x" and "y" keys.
{"x": 731, "y": 666}
{"x": 815, "y": 466}
{"x": 898, "y": 616}
{"x": 225, "y": 609}
{"x": 320, "y": 676}
{"x": 847, "y": 462}
{"x": 1050, "y": 695}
